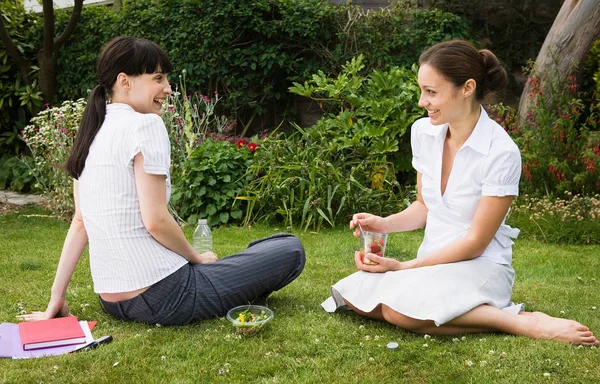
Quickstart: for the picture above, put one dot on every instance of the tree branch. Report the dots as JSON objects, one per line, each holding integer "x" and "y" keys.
{"x": 11, "y": 49}
{"x": 73, "y": 20}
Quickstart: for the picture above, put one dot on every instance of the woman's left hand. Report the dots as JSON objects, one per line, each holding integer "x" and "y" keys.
{"x": 384, "y": 264}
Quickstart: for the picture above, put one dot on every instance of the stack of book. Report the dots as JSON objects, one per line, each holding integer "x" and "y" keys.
{"x": 44, "y": 337}
{"x": 51, "y": 333}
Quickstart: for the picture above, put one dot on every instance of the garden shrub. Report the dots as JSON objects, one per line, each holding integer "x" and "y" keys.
{"x": 18, "y": 100}
{"x": 210, "y": 180}
{"x": 345, "y": 162}
{"x": 251, "y": 52}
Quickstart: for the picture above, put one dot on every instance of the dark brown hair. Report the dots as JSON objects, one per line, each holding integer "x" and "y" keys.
{"x": 459, "y": 61}
{"x": 130, "y": 55}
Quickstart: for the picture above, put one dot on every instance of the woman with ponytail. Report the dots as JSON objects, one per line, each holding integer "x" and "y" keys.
{"x": 142, "y": 266}
{"x": 468, "y": 171}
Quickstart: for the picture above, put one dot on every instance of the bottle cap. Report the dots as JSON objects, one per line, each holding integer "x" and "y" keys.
{"x": 202, "y": 221}
{"x": 392, "y": 346}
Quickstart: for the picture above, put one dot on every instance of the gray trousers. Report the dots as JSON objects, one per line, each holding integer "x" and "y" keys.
{"x": 202, "y": 291}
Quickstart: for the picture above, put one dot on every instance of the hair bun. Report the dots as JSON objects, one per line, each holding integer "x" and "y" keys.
{"x": 495, "y": 76}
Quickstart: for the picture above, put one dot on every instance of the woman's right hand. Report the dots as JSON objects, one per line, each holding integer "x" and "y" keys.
{"x": 205, "y": 258}
{"x": 56, "y": 308}
{"x": 368, "y": 222}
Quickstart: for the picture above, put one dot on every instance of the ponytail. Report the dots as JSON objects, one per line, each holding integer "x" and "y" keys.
{"x": 93, "y": 117}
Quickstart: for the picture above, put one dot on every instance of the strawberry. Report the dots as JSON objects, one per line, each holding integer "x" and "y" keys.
{"x": 374, "y": 247}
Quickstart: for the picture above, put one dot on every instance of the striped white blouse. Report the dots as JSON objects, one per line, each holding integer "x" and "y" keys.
{"x": 123, "y": 255}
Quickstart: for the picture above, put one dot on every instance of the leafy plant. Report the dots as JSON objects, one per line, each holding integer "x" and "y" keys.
{"x": 15, "y": 173}
{"x": 366, "y": 115}
{"x": 344, "y": 163}
{"x": 210, "y": 180}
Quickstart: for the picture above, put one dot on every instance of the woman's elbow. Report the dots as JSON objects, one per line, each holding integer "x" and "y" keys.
{"x": 154, "y": 223}
{"x": 477, "y": 246}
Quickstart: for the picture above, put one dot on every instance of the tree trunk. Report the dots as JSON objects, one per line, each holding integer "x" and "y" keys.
{"x": 570, "y": 39}
{"x": 47, "y": 55}
{"x": 47, "y": 75}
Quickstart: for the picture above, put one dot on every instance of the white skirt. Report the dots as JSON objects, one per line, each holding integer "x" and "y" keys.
{"x": 439, "y": 293}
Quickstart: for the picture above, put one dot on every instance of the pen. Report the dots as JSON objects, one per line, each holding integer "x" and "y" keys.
{"x": 94, "y": 344}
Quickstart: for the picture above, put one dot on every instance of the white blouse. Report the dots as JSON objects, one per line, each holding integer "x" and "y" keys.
{"x": 123, "y": 254}
{"x": 488, "y": 164}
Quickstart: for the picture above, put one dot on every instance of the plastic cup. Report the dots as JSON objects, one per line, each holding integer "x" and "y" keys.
{"x": 372, "y": 242}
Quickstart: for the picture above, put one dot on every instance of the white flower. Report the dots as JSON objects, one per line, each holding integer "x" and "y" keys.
{"x": 455, "y": 340}
{"x": 367, "y": 337}
{"x": 468, "y": 363}
{"x": 491, "y": 352}
{"x": 546, "y": 374}
{"x": 463, "y": 338}
{"x": 427, "y": 337}
{"x": 483, "y": 363}
{"x": 594, "y": 307}
{"x": 163, "y": 357}
{"x": 115, "y": 364}
{"x": 361, "y": 326}
{"x": 425, "y": 345}
{"x": 371, "y": 359}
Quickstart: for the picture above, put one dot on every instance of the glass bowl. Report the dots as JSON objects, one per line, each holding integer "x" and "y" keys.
{"x": 249, "y": 319}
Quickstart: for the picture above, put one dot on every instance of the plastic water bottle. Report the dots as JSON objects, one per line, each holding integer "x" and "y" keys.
{"x": 202, "y": 237}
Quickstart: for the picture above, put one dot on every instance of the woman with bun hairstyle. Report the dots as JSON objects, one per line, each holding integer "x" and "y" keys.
{"x": 468, "y": 171}
{"x": 142, "y": 266}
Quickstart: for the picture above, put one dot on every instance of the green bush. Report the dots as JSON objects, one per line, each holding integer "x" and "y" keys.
{"x": 251, "y": 52}
{"x": 346, "y": 162}
{"x": 18, "y": 100}
{"x": 210, "y": 180}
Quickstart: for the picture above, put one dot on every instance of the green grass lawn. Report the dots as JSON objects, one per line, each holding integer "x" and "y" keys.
{"x": 303, "y": 344}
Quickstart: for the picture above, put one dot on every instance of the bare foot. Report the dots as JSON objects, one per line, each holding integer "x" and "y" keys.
{"x": 567, "y": 331}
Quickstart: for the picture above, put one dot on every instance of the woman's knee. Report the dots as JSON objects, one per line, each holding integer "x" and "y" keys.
{"x": 403, "y": 321}
{"x": 293, "y": 247}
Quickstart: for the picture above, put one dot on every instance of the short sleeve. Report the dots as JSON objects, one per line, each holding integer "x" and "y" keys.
{"x": 502, "y": 172}
{"x": 152, "y": 141}
{"x": 416, "y": 137}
